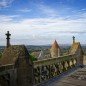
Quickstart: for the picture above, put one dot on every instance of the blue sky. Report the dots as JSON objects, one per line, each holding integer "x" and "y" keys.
{"x": 40, "y": 22}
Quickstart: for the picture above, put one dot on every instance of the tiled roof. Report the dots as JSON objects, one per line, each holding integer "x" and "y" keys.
{"x": 39, "y": 55}
{"x": 36, "y": 54}
{"x": 55, "y": 45}
{"x": 74, "y": 47}
{"x": 12, "y": 53}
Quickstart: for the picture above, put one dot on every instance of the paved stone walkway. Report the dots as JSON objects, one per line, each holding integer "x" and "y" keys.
{"x": 77, "y": 78}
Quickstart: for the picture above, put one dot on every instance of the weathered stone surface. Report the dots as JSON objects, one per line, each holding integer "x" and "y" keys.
{"x": 77, "y": 78}
{"x": 18, "y": 56}
{"x": 77, "y": 50}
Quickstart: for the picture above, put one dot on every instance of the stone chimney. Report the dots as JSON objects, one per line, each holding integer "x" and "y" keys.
{"x": 8, "y": 38}
{"x": 73, "y": 39}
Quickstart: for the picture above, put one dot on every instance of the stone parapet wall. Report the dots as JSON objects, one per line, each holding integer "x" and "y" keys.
{"x": 49, "y": 68}
{"x": 6, "y": 67}
{"x": 7, "y": 75}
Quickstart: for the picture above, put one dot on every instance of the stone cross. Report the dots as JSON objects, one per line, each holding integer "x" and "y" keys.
{"x": 73, "y": 39}
{"x": 8, "y": 38}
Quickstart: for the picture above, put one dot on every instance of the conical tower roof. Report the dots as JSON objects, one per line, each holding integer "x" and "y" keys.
{"x": 55, "y": 45}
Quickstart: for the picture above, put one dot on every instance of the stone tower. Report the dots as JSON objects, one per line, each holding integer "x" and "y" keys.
{"x": 76, "y": 49}
{"x": 55, "y": 50}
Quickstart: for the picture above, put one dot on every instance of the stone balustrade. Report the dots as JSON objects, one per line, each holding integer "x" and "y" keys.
{"x": 6, "y": 67}
{"x": 49, "y": 68}
{"x": 7, "y": 75}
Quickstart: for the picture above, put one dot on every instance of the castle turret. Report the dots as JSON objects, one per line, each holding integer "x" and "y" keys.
{"x": 8, "y": 38}
{"x": 55, "y": 50}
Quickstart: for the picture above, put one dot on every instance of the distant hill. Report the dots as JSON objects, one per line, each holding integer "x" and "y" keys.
{"x": 1, "y": 47}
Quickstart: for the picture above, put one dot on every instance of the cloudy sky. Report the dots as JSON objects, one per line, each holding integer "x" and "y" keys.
{"x": 40, "y": 22}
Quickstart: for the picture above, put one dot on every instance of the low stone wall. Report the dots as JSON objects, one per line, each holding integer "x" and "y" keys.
{"x": 49, "y": 68}
{"x": 36, "y": 73}
{"x": 7, "y": 75}
{"x": 6, "y": 67}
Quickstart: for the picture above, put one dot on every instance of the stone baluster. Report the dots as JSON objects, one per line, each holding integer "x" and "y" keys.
{"x": 63, "y": 64}
{"x": 49, "y": 71}
{"x": 72, "y": 63}
{"x": 57, "y": 69}
{"x": 68, "y": 63}
{"x": 47, "y": 68}
{"x": 37, "y": 75}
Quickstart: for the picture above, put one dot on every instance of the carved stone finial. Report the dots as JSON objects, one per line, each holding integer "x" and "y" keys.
{"x": 8, "y": 38}
{"x": 73, "y": 39}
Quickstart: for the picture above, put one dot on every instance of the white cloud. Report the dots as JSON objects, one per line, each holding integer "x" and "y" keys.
{"x": 4, "y": 18}
{"x": 24, "y": 10}
{"x": 42, "y": 30}
{"x": 5, "y": 3}
{"x": 50, "y": 12}
{"x": 83, "y": 9}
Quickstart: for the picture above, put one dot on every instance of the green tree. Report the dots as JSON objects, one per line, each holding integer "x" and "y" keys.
{"x": 32, "y": 57}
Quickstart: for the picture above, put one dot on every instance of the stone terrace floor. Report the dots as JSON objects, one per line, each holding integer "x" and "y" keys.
{"x": 77, "y": 78}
